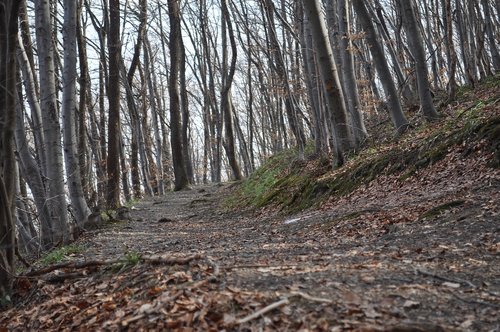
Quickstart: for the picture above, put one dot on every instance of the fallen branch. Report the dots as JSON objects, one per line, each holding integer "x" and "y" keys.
{"x": 170, "y": 260}
{"x": 262, "y": 311}
{"x": 95, "y": 263}
{"x": 280, "y": 303}
{"x": 70, "y": 265}
{"x": 437, "y": 276}
{"x": 65, "y": 276}
{"x": 311, "y": 298}
{"x": 258, "y": 266}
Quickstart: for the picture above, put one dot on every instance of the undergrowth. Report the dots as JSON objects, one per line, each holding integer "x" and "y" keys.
{"x": 293, "y": 185}
{"x": 59, "y": 254}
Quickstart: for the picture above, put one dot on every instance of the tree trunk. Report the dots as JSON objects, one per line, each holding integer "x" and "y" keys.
{"x": 398, "y": 118}
{"x": 181, "y": 179}
{"x": 153, "y": 101}
{"x": 311, "y": 75}
{"x": 417, "y": 48}
{"x": 69, "y": 110}
{"x": 348, "y": 75}
{"x": 32, "y": 175}
{"x": 113, "y": 155}
{"x": 291, "y": 106}
{"x": 227, "y": 79}
{"x": 495, "y": 55}
{"x": 450, "y": 50}
{"x": 185, "y": 113}
{"x": 8, "y": 41}
{"x": 330, "y": 79}
{"x": 50, "y": 121}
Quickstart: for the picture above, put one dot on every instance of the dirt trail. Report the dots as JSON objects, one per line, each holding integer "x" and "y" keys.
{"x": 433, "y": 275}
{"x": 338, "y": 268}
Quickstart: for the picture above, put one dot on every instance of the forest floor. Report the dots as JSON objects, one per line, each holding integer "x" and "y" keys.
{"x": 415, "y": 255}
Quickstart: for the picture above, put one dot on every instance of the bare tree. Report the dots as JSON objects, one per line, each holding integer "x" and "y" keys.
{"x": 8, "y": 40}
{"x": 227, "y": 79}
{"x": 181, "y": 179}
{"x": 417, "y": 48}
{"x": 397, "y": 116}
{"x": 50, "y": 121}
{"x": 113, "y": 156}
{"x": 331, "y": 82}
{"x": 69, "y": 110}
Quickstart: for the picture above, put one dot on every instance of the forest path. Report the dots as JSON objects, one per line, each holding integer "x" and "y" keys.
{"x": 428, "y": 276}
{"x": 343, "y": 267}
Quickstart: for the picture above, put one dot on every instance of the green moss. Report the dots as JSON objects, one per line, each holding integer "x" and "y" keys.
{"x": 59, "y": 254}
{"x": 294, "y": 185}
{"x": 437, "y": 210}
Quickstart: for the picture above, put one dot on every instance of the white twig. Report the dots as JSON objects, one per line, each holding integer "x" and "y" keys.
{"x": 262, "y": 311}
{"x": 311, "y": 298}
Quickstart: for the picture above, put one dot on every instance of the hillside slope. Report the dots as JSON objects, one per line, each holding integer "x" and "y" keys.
{"x": 404, "y": 238}
{"x": 467, "y": 132}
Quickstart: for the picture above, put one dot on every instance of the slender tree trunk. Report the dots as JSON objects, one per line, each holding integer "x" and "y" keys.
{"x": 398, "y": 118}
{"x": 27, "y": 63}
{"x": 185, "y": 113}
{"x": 330, "y": 79}
{"x": 31, "y": 173}
{"x": 50, "y": 120}
{"x": 69, "y": 110}
{"x": 181, "y": 179}
{"x": 153, "y": 101}
{"x": 226, "y": 104}
{"x": 417, "y": 48}
{"x": 493, "y": 42}
{"x": 450, "y": 50}
{"x": 348, "y": 74}
{"x": 8, "y": 40}
{"x": 113, "y": 156}
{"x": 320, "y": 132}
{"x": 85, "y": 105}
{"x": 403, "y": 83}
{"x": 290, "y": 102}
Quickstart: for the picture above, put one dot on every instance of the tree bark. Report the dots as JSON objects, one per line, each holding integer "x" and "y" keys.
{"x": 417, "y": 48}
{"x": 349, "y": 77}
{"x": 51, "y": 125}
{"x": 495, "y": 55}
{"x": 226, "y": 104}
{"x": 8, "y": 40}
{"x": 113, "y": 155}
{"x": 69, "y": 110}
{"x": 330, "y": 79}
{"x": 181, "y": 179}
{"x": 398, "y": 118}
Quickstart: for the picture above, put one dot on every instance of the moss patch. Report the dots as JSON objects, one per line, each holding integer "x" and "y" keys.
{"x": 294, "y": 185}
{"x": 437, "y": 210}
{"x": 59, "y": 254}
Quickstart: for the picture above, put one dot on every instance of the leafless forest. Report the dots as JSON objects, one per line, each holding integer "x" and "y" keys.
{"x": 104, "y": 102}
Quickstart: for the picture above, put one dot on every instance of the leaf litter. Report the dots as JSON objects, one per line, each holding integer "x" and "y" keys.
{"x": 418, "y": 254}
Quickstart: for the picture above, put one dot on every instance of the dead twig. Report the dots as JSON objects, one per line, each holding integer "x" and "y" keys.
{"x": 280, "y": 303}
{"x": 258, "y": 266}
{"x": 171, "y": 260}
{"x": 70, "y": 265}
{"x": 311, "y": 298}
{"x": 455, "y": 280}
{"x": 262, "y": 311}
{"x": 65, "y": 276}
{"x": 96, "y": 263}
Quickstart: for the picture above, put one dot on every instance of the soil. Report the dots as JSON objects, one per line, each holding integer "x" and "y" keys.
{"x": 420, "y": 254}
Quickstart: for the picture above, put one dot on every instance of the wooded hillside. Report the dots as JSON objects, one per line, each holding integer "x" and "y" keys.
{"x": 104, "y": 103}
